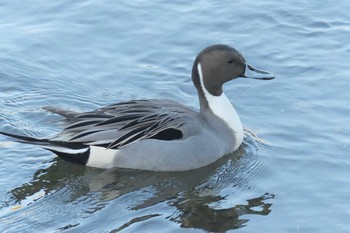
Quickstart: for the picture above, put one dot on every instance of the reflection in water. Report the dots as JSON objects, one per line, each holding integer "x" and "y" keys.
{"x": 199, "y": 214}
{"x": 67, "y": 189}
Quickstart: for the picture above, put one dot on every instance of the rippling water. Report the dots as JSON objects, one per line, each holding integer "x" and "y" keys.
{"x": 290, "y": 175}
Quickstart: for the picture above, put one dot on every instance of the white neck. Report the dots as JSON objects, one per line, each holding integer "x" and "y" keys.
{"x": 222, "y": 108}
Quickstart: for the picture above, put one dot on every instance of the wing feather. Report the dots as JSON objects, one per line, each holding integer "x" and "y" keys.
{"x": 121, "y": 124}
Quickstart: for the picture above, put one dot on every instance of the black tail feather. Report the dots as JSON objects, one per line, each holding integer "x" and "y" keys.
{"x": 70, "y": 151}
{"x": 69, "y": 115}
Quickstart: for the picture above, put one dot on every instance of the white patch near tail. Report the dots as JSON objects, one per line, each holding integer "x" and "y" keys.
{"x": 101, "y": 157}
{"x": 222, "y": 107}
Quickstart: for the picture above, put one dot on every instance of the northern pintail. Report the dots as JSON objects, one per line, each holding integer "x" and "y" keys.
{"x": 159, "y": 135}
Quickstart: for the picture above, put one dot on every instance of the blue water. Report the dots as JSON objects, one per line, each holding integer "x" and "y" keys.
{"x": 293, "y": 176}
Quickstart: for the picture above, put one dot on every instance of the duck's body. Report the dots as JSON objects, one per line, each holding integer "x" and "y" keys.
{"x": 159, "y": 135}
{"x": 183, "y": 139}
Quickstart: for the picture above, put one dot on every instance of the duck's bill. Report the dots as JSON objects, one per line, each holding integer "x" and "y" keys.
{"x": 252, "y": 72}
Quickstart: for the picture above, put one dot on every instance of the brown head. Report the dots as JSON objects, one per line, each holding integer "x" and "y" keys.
{"x": 219, "y": 64}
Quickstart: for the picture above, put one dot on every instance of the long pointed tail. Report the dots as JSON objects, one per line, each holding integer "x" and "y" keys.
{"x": 70, "y": 151}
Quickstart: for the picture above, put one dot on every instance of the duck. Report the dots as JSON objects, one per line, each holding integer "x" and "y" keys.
{"x": 158, "y": 134}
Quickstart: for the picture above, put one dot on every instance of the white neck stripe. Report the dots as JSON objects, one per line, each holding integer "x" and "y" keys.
{"x": 222, "y": 108}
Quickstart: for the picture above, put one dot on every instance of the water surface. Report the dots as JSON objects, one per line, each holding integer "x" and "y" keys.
{"x": 292, "y": 176}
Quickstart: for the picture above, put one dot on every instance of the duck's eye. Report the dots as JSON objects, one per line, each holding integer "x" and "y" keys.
{"x": 230, "y": 61}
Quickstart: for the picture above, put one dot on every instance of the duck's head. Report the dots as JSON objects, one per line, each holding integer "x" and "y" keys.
{"x": 218, "y": 64}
